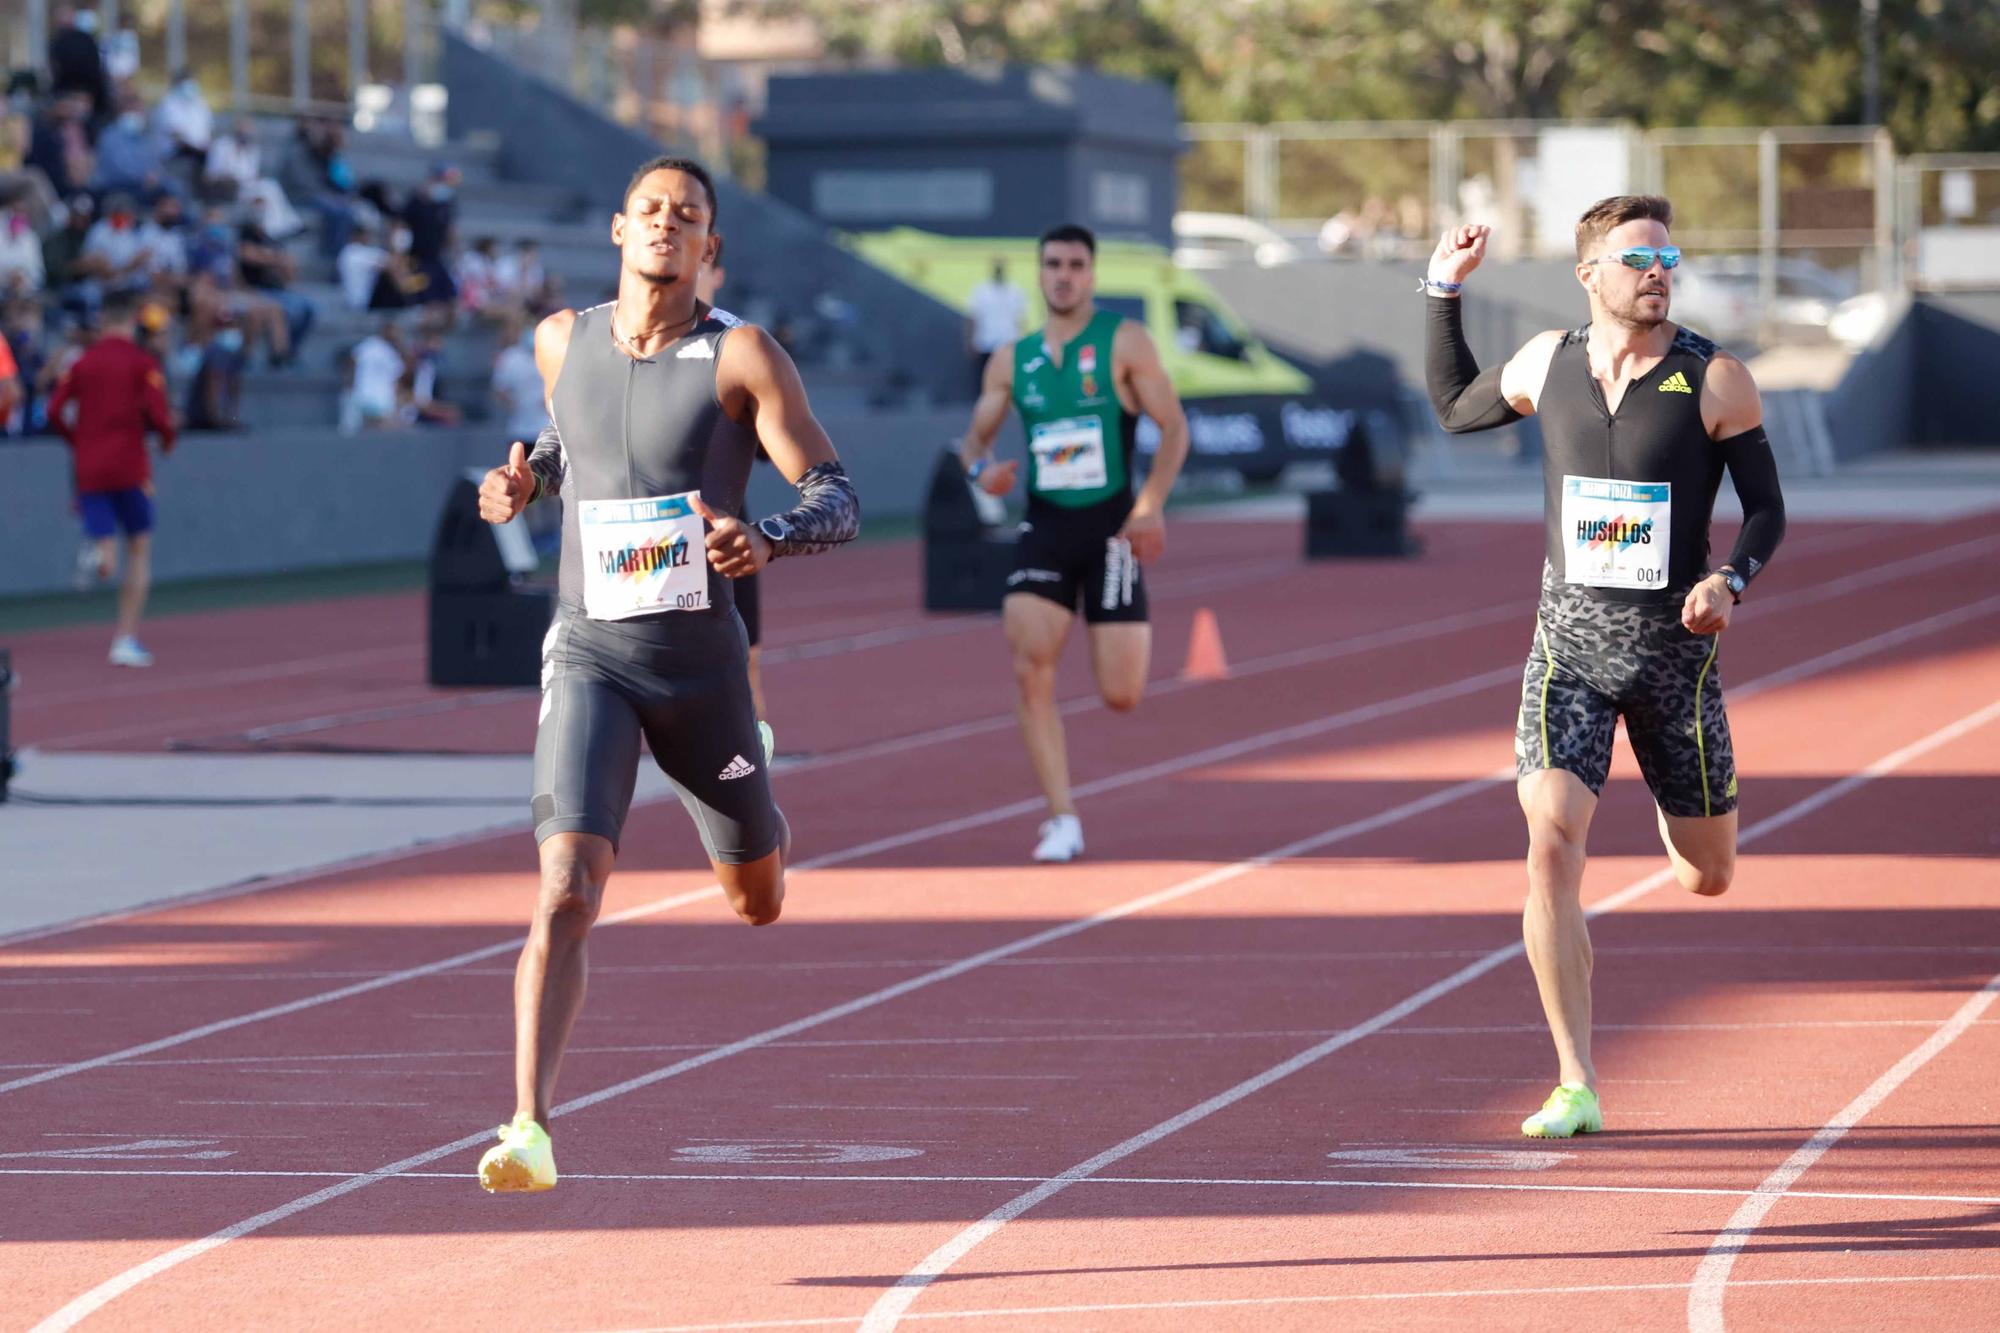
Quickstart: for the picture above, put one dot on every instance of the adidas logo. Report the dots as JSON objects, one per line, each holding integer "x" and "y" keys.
{"x": 739, "y": 767}
{"x": 701, "y": 351}
{"x": 1676, "y": 383}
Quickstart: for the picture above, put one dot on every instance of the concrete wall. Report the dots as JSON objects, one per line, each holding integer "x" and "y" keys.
{"x": 1957, "y": 386}
{"x": 271, "y": 502}
{"x": 1873, "y": 407}
{"x": 246, "y": 504}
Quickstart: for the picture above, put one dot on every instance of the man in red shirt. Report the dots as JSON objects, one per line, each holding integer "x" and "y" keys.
{"x": 104, "y": 407}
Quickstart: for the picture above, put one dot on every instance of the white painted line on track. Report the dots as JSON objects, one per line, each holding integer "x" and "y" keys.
{"x": 1705, "y": 1295}
{"x": 1119, "y": 1038}
{"x": 889, "y": 1309}
{"x": 1359, "y": 1297}
{"x": 1151, "y": 1182}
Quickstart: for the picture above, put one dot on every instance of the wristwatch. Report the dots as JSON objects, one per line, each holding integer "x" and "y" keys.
{"x": 979, "y": 465}
{"x": 1734, "y": 582}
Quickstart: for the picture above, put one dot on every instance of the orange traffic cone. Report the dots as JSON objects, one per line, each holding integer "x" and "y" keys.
{"x": 1205, "y": 660}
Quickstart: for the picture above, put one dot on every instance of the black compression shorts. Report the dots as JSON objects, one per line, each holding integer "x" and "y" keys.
{"x": 681, "y": 683}
{"x": 1595, "y": 660}
{"x": 1067, "y": 555}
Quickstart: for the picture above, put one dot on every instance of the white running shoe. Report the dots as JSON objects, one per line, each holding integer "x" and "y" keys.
{"x": 126, "y": 652}
{"x": 1062, "y": 839}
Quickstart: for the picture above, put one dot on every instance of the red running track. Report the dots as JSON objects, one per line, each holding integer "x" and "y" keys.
{"x": 1257, "y": 1063}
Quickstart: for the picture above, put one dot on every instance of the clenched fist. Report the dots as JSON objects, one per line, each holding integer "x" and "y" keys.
{"x": 1458, "y": 252}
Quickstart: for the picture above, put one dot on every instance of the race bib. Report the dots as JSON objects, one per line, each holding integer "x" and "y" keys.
{"x": 642, "y": 556}
{"x": 1069, "y": 454}
{"x": 1617, "y": 532}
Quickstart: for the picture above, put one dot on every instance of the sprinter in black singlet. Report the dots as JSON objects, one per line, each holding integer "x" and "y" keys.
{"x": 657, "y": 406}
{"x": 1640, "y": 418}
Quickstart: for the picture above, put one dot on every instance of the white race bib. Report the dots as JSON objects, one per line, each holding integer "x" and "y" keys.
{"x": 1069, "y": 454}
{"x": 1616, "y": 532}
{"x": 642, "y": 556}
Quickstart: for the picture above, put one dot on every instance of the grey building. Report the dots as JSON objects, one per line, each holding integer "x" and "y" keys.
{"x": 1005, "y": 152}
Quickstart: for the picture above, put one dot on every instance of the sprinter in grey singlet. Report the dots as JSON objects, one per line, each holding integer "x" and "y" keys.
{"x": 658, "y": 405}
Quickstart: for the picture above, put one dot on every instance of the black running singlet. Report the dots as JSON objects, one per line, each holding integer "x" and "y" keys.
{"x": 634, "y": 428}
{"x": 1629, "y": 495}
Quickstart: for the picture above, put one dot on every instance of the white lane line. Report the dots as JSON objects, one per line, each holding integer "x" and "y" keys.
{"x": 1311, "y": 958}
{"x": 890, "y": 1307}
{"x": 1037, "y": 1311}
{"x": 1418, "y": 700}
{"x": 1156, "y": 1182}
{"x": 1244, "y": 1034}
{"x": 1705, "y": 1296}
{"x": 949, "y": 1110}
{"x": 331, "y": 663}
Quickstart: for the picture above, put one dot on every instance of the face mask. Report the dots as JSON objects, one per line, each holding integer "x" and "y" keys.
{"x": 16, "y": 225}
{"x": 442, "y": 194}
{"x": 229, "y": 340}
{"x": 187, "y": 88}
{"x": 400, "y": 242}
{"x": 121, "y": 222}
{"x": 132, "y": 122}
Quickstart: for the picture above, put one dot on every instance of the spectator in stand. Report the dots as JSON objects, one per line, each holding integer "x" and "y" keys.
{"x": 76, "y": 63}
{"x": 478, "y": 279}
{"x": 521, "y": 279}
{"x": 997, "y": 309}
{"x": 163, "y": 240}
{"x": 130, "y": 159}
{"x": 431, "y": 213}
{"x": 121, "y": 52}
{"x": 379, "y": 366}
{"x": 11, "y": 393}
{"x": 104, "y": 407}
{"x": 517, "y": 382}
{"x": 422, "y": 406}
{"x": 21, "y": 327}
{"x": 269, "y": 272}
{"x": 360, "y": 265}
{"x": 59, "y": 145}
{"x": 399, "y": 285}
{"x": 185, "y": 122}
{"x": 21, "y": 268}
{"x": 112, "y": 253}
{"x": 215, "y": 391}
{"x": 21, "y": 183}
{"x": 65, "y": 274}
{"x": 318, "y": 178}
{"x": 235, "y": 162}
{"x": 214, "y": 299}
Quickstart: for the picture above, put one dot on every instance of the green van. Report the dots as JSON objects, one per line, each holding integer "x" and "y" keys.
{"x": 1247, "y": 408}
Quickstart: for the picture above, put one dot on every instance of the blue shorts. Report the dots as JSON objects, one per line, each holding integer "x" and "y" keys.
{"x": 107, "y": 513}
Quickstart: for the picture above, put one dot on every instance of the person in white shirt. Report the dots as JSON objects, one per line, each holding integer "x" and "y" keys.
{"x": 121, "y": 50}
{"x": 996, "y": 309}
{"x": 184, "y": 119}
{"x": 360, "y": 263}
{"x": 235, "y": 161}
{"x": 378, "y": 374}
{"x": 517, "y": 384}
{"x": 21, "y": 272}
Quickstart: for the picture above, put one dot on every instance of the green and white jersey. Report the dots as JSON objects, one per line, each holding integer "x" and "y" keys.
{"x": 1080, "y": 438}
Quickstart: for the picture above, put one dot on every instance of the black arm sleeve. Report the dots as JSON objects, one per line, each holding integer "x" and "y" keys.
{"x": 1464, "y": 397}
{"x": 1754, "y": 472}
{"x": 828, "y": 514}
{"x": 548, "y": 462}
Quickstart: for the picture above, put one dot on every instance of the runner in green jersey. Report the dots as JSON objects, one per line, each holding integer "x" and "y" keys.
{"x": 1080, "y": 382}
